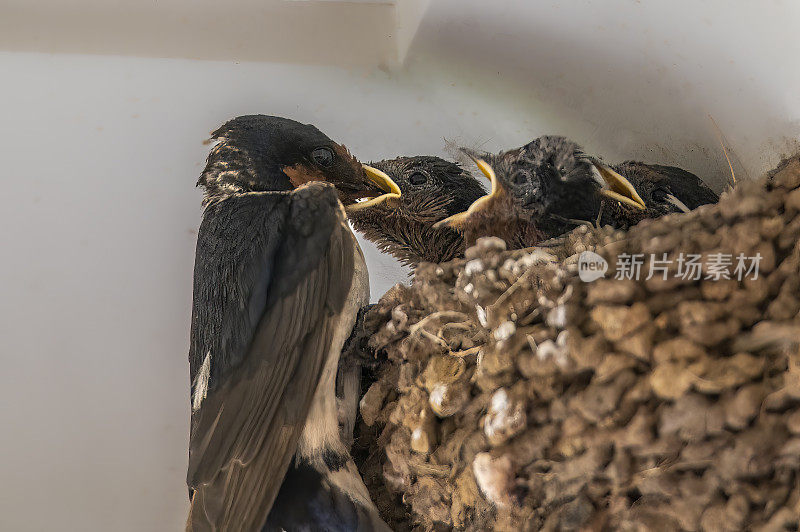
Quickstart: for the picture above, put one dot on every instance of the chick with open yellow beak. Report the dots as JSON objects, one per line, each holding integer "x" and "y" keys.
{"x": 432, "y": 189}
{"x": 543, "y": 190}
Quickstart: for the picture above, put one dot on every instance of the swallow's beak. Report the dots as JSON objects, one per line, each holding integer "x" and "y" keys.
{"x": 616, "y": 187}
{"x": 383, "y": 182}
{"x": 457, "y": 221}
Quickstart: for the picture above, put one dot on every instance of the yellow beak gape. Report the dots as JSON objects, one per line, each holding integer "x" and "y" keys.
{"x": 619, "y": 188}
{"x": 455, "y": 221}
{"x": 384, "y": 182}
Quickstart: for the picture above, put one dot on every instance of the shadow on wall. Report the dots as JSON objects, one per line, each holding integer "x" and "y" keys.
{"x": 625, "y": 89}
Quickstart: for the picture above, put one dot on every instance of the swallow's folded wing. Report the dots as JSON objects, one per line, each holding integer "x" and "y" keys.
{"x": 265, "y": 303}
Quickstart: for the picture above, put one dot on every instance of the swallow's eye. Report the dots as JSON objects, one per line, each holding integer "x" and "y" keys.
{"x": 322, "y": 156}
{"x": 520, "y": 178}
{"x": 418, "y": 179}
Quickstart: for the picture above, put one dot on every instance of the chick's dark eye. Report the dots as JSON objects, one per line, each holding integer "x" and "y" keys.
{"x": 322, "y": 156}
{"x": 418, "y": 178}
{"x": 520, "y": 178}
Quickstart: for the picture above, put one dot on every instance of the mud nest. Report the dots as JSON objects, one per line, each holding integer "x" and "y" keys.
{"x": 514, "y": 396}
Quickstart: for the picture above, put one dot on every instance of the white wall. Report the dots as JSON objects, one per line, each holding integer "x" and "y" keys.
{"x": 100, "y": 154}
{"x": 628, "y": 79}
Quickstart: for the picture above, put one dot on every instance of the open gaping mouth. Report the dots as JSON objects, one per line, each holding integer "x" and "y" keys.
{"x": 457, "y": 220}
{"x": 616, "y": 187}
{"x": 382, "y": 181}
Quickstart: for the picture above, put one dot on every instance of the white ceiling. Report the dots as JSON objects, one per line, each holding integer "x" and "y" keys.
{"x": 334, "y": 32}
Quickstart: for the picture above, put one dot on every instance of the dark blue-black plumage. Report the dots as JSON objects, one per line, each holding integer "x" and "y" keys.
{"x": 278, "y": 282}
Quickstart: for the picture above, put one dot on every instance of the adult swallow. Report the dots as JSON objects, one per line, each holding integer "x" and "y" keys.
{"x": 546, "y": 187}
{"x": 278, "y": 281}
{"x": 432, "y": 190}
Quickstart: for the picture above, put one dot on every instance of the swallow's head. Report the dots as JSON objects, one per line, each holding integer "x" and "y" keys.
{"x": 432, "y": 188}
{"x": 259, "y": 153}
{"x": 550, "y": 177}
